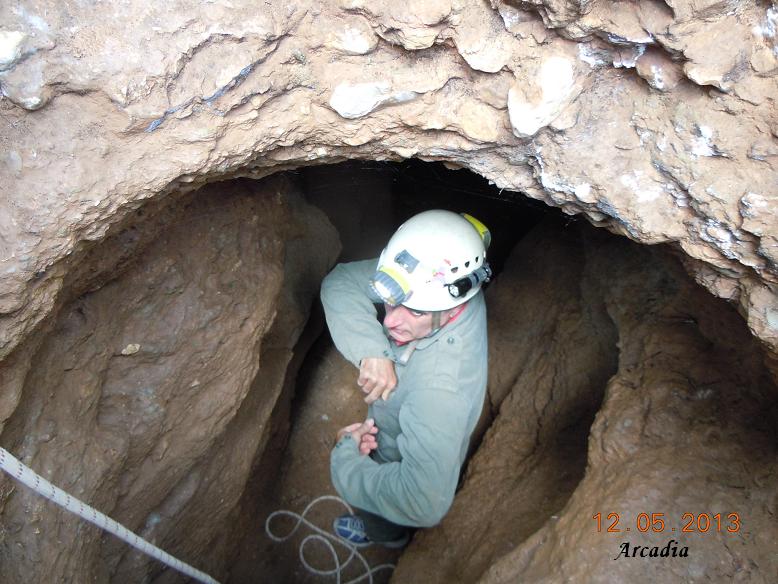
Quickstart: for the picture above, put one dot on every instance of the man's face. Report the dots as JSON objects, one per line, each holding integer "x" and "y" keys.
{"x": 406, "y": 325}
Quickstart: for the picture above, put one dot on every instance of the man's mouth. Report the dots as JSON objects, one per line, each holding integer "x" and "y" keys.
{"x": 395, "y": 333}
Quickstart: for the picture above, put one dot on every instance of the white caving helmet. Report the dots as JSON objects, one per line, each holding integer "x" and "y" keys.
{"x": 435, "y": 261}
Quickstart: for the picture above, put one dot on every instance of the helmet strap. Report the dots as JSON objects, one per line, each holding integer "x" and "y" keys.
{"x": 435, "y": 321}
{"x": 406, "y": 354}
{"x": 437, "y": 317}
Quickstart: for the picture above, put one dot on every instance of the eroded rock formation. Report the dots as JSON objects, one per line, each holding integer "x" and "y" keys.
{"x": 687, "y": 426}
{"x": 552, "y": 349}
{"x": 327, "y": 399}
{"x": 654, "y": 120}
{"x": 151, "y": 396}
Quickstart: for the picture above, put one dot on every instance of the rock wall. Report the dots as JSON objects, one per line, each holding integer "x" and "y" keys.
{"x": 617, "y": 385}
{"x": 327, "y": 399}
{"x": 686, "y": 425}
{"x": 655, "y": 120}
{"x": 552, "y": 349}
{"x": 151, "y": 394}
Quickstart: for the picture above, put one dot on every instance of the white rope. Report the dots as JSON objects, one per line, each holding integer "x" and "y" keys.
{"x": 43, "y": 487}
{"x": 326, "y": 538}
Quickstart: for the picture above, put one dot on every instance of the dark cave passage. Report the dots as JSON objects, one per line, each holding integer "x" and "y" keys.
{"x": 366, "y": 201}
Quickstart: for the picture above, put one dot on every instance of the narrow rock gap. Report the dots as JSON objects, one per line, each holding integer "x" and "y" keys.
{"x": 151, "y": 334}
{"x": 366, "y": 202}
{"x": 172, "y": 370}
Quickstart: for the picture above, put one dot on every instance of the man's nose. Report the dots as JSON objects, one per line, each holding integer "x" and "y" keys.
{"x": 393, "y": 316}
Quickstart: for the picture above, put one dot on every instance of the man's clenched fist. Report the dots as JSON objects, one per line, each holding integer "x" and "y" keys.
{"x": 376, "y": 378}
{"x": 363, "y": 433}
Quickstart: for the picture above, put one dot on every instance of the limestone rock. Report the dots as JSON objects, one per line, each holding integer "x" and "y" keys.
{"x": 30, "y": 36}
{"x": 659, "y": 71}
{"x": 356, "y": 101}
{"x": 556, "y": 13}
{"x": 355, "y": 37}
{"x": 179, "y": 97}
{"x": 10, "y": 47}
{"x": 413, "y": 29}
{"x": 535, "y": 103}
{"x": 482, "y": 40}
{"x": 130, "y": 349}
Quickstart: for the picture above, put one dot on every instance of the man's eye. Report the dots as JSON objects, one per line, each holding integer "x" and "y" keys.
{"x": 417, "y": 314}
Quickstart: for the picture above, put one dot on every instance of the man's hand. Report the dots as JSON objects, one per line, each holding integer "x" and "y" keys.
{"x": 376, "y": 378}
{"x": 363, "y": 433}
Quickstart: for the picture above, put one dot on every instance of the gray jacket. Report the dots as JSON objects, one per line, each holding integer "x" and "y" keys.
{"x": 425, "y": 425}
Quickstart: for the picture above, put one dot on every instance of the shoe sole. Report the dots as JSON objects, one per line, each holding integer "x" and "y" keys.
{"x": 394, "y": 545}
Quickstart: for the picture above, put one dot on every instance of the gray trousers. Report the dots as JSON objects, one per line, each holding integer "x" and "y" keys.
{"x": 380, "y": 530}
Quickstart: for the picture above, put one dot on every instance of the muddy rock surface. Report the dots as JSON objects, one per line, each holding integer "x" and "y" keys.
{"x": 552, "y": 349}
{"x": 154, "y": 299}
{"x": 617, "y": 385}
{"x": 655, "y": 120}
{"x": 685, "y": 423}
{"x": 687, "y": 426}
{"x": 150, "y": 396}
{"x": 327, "y": 399}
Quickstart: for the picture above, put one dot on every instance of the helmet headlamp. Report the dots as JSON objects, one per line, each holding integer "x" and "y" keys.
{"x": 390, "y": 286}
{"x": 462, "y": 286}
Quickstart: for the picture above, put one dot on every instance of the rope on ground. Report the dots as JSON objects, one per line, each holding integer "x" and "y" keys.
{"x": 327, "y": 539}
{"x": 37, "y": 483}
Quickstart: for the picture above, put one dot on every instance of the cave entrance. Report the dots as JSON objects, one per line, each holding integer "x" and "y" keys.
{"x": 165, "y": 390}
{"x": 367, "y": 201}
{"x": 169, "y": 373}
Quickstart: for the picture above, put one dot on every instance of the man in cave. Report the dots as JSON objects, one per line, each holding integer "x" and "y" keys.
{"x": 424, "y": 372}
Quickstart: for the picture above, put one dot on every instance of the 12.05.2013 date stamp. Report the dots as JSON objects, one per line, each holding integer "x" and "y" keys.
{"x": 660, "y": 523}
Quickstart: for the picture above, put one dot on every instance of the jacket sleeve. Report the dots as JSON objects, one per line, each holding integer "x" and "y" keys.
{"x": 351, "y": 315}
{"x": 418, "y": 490}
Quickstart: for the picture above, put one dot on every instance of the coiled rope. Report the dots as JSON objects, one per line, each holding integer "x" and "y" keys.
{"x": 327, "y": 539}
{"x": 37, "y": 483}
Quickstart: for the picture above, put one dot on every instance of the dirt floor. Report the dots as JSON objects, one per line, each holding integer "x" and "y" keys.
{"x": 327, "y": 399}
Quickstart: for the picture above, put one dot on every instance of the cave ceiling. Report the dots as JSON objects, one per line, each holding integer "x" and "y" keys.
{"x": 654, "y": 120}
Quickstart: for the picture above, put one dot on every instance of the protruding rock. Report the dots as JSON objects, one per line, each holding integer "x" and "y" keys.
{"x": 659, "y": 70}
{"x": 536, "y": 102}
{"x": 359, "y": 99}
{"x": 354, "y": 37}
{"x": 130, "y": 349}
{"x": 10, "y": 47}
{"x": 26, "y": 87}
{"x": 482, "y": 40}
{"x": 413, "y": 28}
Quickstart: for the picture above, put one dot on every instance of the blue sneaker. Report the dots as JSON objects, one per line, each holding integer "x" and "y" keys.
{"x": 351, "y": 529}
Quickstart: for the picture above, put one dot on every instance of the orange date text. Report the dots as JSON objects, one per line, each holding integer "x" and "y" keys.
{"x": 660, "y": 523}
